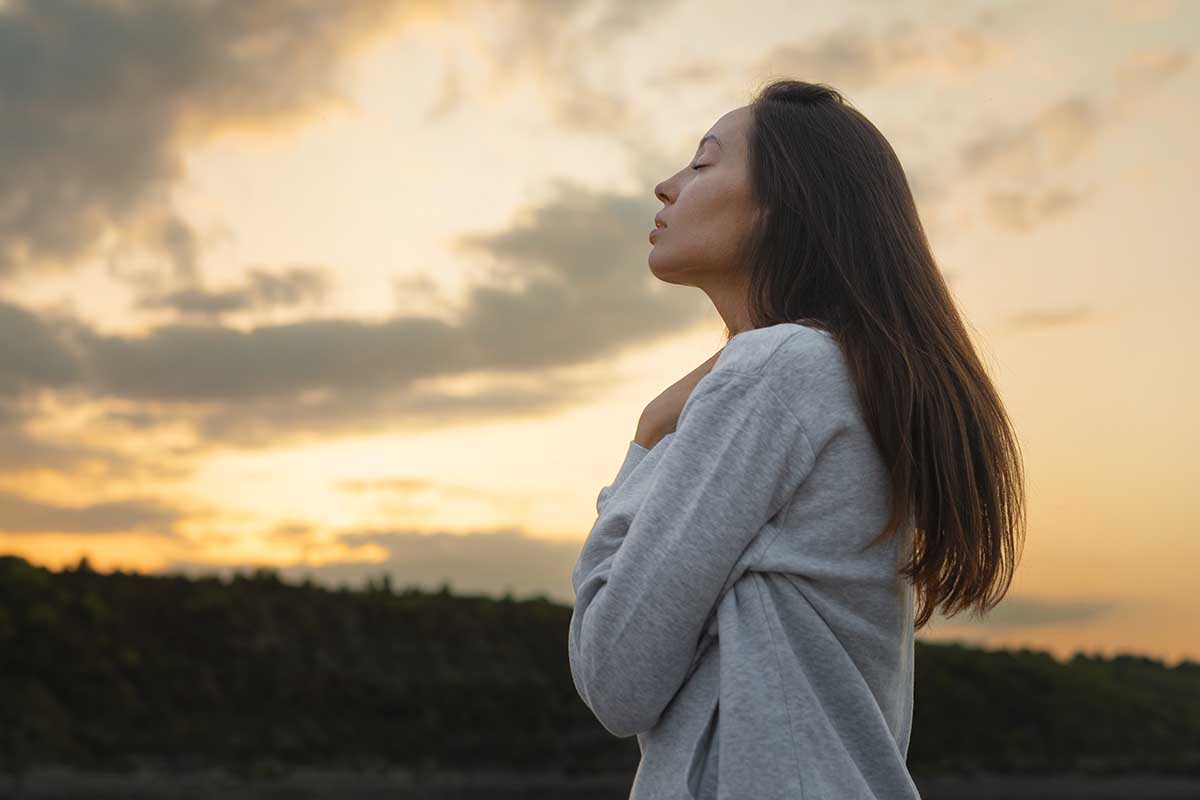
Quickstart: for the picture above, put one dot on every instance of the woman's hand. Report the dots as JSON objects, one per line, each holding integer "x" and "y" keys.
{"x": 660, "y": 417}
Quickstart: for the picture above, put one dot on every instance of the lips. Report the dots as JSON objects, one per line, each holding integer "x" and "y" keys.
{"x": 659, "y": 225}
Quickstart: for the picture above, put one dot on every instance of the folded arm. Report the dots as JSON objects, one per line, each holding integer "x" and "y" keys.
{"x": 649, "y": 576}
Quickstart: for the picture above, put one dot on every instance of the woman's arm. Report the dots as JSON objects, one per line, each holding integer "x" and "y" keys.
{"x": 737, "y": 455}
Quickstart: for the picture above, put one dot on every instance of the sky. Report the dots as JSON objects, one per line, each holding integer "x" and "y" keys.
{"x": 360, "y": 288}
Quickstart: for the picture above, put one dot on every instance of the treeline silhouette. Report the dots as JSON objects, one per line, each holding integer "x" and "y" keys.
{"x": 112, "y": 670}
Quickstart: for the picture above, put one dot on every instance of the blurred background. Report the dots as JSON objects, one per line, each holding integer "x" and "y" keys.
{"x": 344, "y": 306}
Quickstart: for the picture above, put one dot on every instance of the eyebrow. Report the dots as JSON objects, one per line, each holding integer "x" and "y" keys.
{"x": 706, "y": 138}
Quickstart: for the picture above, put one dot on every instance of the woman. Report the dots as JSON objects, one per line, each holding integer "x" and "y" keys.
{"x": 745, "y": 600}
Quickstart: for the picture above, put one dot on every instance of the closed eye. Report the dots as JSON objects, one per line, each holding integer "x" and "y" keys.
{"x": 700, "y": 166}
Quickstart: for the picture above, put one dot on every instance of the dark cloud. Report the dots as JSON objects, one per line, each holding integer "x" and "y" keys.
{"x": 24, "y": 516}
{"x": 101, "y": 99}
{"x": 566, "y": 285}
{"x": 33, "y": 357}
{"x": 261, "y": 290}
{"x": 153, "y": 79}
{"x": 21, "y": 451}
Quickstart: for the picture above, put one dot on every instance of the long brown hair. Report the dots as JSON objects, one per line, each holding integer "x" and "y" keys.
{"x": 840, "y": 246}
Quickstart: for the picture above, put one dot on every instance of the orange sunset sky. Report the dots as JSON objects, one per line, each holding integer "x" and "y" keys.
{"x": 361, "y": 287}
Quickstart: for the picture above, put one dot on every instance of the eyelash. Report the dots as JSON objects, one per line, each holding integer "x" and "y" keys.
{"x": 699, "y": 166}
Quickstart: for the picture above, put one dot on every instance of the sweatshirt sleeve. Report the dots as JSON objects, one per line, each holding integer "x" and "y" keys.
{"x": 633, "y": 456}
{"x": 738, "y": 454}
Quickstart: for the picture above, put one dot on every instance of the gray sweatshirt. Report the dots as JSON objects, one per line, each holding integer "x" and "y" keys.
{"x": 727, "y": 608}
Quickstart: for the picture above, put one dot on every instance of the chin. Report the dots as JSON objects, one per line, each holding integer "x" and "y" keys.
{"x": 665, "y": 275}
{"x": 655, "y": 268}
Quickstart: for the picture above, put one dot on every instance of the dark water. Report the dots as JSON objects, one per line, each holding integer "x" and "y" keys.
{"x": 64, "y": 784}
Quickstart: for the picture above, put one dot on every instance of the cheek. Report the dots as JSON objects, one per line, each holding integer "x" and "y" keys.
{"x": 708, "y": 223}
{"x": 697, "y": 205}
{"x": 702, "y": 244}
{"x": 719, "y": 215}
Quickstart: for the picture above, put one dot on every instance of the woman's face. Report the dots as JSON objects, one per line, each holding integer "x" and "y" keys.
{"x": 707, "y": 210}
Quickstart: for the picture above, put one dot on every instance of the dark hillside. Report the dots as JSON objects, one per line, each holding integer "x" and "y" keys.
{"x": 106, "y": 670}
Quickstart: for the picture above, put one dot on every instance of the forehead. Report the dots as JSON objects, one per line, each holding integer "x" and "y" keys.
{"x": 728, "y": 129}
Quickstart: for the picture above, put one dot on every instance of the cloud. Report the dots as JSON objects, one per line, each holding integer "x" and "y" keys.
{"x": 1144, "y": 72}
{"x": 550, "y": 44}
{"x": 566, "y": 285}
{"x": 1054, "y": 137}
{"x": 854, "y": 57}
{"x": 1013, "y": 161}
{"x": 261, "y": 290}
{"x": 1016, "y": 160}
{"x": 101, "y": 100}
{"x": 482, "y": 562}
{"x": 387, "y": 485}
{"x": 22, "y": 452}
{"x": 1036, "y": 320}
{"x": 862, "y": 54}
{"x": 95, "y": 134}
{"x": 874, "y": 52}
{"x": 33, "y": 357}
{"x": 1021, "y": 211}
{"x": 21, "y": 515}
{"x": 1031, "y": 612}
